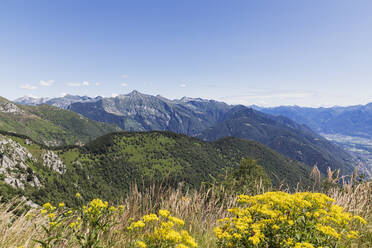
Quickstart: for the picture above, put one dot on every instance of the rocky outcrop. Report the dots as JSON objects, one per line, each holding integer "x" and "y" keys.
{"x": 53, "y": 162}
{"x": 8, "y": 107}
{"x": 13, "y": 164}
{"x": 15, "y": 161}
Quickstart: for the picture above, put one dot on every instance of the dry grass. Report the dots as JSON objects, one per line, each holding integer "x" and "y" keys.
{"x": 200, "y": 209}
{"x": 16, "y": 231}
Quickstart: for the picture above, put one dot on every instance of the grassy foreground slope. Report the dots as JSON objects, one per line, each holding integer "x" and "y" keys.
{"x": 50, "y": 125}
{"x": 200, "y": 209}
{"x": 109, "y": 165}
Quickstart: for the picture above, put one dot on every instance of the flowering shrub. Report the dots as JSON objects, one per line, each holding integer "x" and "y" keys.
{"x": 160, "y": 231}
{"x": 278, "y": 219}
{"x": 83, "y": 226}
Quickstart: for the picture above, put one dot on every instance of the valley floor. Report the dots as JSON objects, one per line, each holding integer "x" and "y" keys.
{"x": 359, "y": 147}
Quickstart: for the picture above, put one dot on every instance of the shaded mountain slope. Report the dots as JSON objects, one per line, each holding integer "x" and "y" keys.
{"x": 283, "y": 135}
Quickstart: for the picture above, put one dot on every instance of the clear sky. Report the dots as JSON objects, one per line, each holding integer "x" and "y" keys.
{"x": 278, "y": 52}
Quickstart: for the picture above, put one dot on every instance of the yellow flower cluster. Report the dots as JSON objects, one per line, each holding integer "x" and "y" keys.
{"x": 279, "y": 219}
{"x": 96, "y": 208}
{"x": 50, "y": 211}
{"x": 48, "y": 207}
{"x": 162, "y": 230}
{"x": 86, "y": 223}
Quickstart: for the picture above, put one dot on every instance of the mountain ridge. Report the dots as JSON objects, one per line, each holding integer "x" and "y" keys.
{"x": 194, "y": 116}
{"x": 50, "y": 125}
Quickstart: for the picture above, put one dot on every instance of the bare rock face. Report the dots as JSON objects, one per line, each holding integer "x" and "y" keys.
{"x": 14, "y": 149}
{"x": 53, "y": 162}
{"x": 13, "y": 164}
{"x": 8, "y": 107}
{"x": 52, "y": 143}
{"x": 15, "y": 160}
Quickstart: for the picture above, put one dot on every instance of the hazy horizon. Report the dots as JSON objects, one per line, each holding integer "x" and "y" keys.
{"x": 266, "y": 53}
{"x": 230, "y": 103}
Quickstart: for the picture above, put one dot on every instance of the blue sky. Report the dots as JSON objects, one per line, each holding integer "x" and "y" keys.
{"x": 308, "y": 52}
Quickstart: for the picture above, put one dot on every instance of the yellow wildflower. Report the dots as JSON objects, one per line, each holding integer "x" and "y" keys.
{"x": 176, "y": 220}
{"x": 164, "y": 213}
{"x": 51, "y": 215}
{"x": 150, "y": 218}
{"x": 304, "y": 245}
{"x": 48, "y": 206}
{"x": 360, "y": 219}
{"x": 141, "y": 244}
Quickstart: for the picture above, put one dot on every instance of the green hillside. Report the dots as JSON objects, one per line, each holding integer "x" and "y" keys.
{"x": 50, "y": 125}
{"x": 109, "y": 165}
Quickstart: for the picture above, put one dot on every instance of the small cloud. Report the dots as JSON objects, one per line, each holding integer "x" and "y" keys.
{"x": 183, "y": 85}
{"x": 114, "y": 95}
{"x": 63, "y": 94}
{"x": 97, "y": 84}
{"x": 46, "y": 83}
{"x": 28, "y": 87}
{"x": 124, "y": 76}
{"x": 74, "y": 84}
{"x": 124, "y": 84}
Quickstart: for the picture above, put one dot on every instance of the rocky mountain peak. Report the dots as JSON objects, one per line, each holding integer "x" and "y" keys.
{"x": 134, "y": 93}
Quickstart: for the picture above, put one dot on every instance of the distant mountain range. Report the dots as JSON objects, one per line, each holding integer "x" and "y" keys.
{"x": 140, "y": 112}
{"x": 351, "y": 121}
{"x": 210, "y": 120}
{"x": 60, "y": 102}
{"x": 349, "y": 127}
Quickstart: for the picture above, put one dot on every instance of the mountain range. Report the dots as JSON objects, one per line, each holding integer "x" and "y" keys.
{"x": 210, "y": 120}
{"x": 350, "y": 121}
{"x": 349, "y": 127}
{"x": 60, "y": 102}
